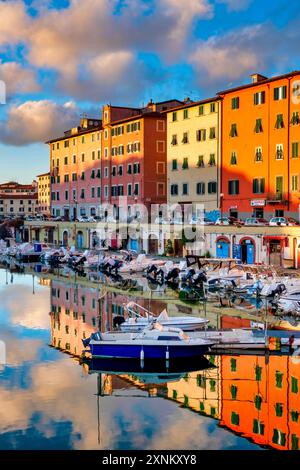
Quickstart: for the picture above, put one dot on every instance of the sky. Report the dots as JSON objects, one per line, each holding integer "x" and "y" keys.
{"x": 62, "y": 58}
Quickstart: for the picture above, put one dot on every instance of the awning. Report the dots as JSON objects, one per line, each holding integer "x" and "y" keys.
{"x": 274, "y": 237}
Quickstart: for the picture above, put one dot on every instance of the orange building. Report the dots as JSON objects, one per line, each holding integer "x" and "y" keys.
{"x": 260, "y": 147}
{"x": 260, "y": 399}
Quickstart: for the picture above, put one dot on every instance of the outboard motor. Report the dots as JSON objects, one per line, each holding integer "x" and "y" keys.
{"x": 118, "y": 320}
{"x": 187, "y": 276}
{"x": 172, "y": 275}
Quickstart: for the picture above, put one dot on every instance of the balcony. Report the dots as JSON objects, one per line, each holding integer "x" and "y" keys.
{"x": 276, "y": 198}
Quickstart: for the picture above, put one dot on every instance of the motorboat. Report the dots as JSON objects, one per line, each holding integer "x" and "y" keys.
{"x": 153, "y": 342}
{"x": 139, "y": 318}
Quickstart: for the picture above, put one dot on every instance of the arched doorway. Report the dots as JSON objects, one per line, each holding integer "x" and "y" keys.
{"x": 79, "y": 239}
{"x": 247, "y": 250}
{"x": 152, "y": 245}
{"x": 275, "y": 252}
{"x": 65, "y": 238}
{"x": 222, "y": 247}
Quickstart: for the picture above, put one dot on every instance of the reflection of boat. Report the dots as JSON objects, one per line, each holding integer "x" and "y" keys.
{"x": 153, "y": 372}
{"x": 154, "y": 342}
{"x": 140, "y": 317}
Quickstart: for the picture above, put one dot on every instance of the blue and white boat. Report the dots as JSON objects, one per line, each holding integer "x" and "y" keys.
{"x": 154, "y": 342}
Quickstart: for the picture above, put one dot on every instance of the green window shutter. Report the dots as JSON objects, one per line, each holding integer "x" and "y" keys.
{"x": 279, "y": 409}
{"x": 276, "y": 94}
{"x": 174, "y": 394}
{"x": 295, "y": 442}
{"x": 212, "y": 410}
{"x": 295, "y": 149}
{"x": 233, "y": 160}
{"x": 294, "y": 385}
{"x": 235, "y": 419}
{"x": 212, "y": 384}
{"x": 233, "y": 391}
{"x": 201, "y": 405}
{"x": 295, "y": 416}
{"x": 257, "y": 402}
{"x": 284, "y": 92}
{"x": 200, "y": 162}
{"x": 278, "y": 377}
{"x": 212, "y": 159}
{"x": 255, "y": 426}
{"x": 186, "y": 401}
{"x": 233, "y": 365}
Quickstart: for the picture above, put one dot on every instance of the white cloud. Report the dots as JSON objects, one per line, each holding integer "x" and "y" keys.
{"x": 14, "y": 22}
{"x": 37, "y": 121}
{"x": 17, "y": 78}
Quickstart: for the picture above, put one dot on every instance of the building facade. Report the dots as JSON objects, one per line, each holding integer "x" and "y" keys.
{"x": 122, "y": 154}
{"x": 18, "y": 200}
{"x": 43, "y": 184}
{"x": 260, "y": 147}
{"x": 193, "y": 154}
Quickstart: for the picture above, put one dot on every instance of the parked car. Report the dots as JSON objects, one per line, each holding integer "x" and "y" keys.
{"x": 283, "y": 221}
{"x": 201, "y": 221}
{"x": 83, "y": 218}
{"x": 228, "y": 221}
{"x": 256, "y": 221}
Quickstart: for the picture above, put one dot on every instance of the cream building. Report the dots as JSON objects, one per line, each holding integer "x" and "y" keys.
{"x": 18, "y": 200}
{"x": 193, "y": 155}
{"x": 43, "y": 182}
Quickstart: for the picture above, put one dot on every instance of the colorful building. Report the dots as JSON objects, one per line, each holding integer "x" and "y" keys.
{"x": 193, "y": 154}
{"x": 260, "y": 399}
{"x": 18, "y": 199}
{"x": 43, "y": 184}
{"x": 260, "y": 147}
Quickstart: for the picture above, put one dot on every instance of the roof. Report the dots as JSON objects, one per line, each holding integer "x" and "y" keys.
{"x": 71, "y": 136}
{"x": 13, "y": 185}
{"x": 261, "y": 82}
{"x": 44, "y": 174}
{"x": 137, "y": 116}
{"x": 191, "y": 105}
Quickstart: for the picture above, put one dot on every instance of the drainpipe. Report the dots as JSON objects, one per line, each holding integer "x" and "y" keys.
{"x": 288, "y": 139}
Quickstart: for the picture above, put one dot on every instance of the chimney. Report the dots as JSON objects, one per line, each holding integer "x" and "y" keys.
{"x": 187, "y": 100}
{"x": 257, "y": 77}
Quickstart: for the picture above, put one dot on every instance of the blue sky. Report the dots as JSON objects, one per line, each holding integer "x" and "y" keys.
{"x": 60, "y": 58}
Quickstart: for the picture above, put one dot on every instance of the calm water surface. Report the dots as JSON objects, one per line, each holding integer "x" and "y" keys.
{"x": 50, "y": 400}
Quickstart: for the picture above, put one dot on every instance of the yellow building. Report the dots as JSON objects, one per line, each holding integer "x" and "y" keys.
{"x": 43, "y": 182}
{"x": 193, "y": 155}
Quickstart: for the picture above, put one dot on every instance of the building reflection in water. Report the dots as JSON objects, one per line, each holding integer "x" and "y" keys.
{"x": 257, "y": 397}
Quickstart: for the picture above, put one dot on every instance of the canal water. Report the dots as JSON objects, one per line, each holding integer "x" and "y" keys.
{"x": 51, "y": 399}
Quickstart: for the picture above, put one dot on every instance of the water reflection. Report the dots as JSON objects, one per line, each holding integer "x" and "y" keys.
{"x": 50, "y": 400}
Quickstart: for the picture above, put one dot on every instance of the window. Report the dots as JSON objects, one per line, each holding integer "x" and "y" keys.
{"x": 212, "y": 187}
{"x": 200, "y": 188}
{"x": 174, "y": 189}
{"x": 258, "y": 427}
{"x": 120, "y": 170}
{"x": 105, "y": 191}
{"x": 212, "y": 160}
{"x": 66, "y": 160}
{"x": 66, "y": 178}
{"x": 235, "y": 419}
{"x": 279, "y": 121}
{"x": 259, "y": 98}
{"x": 66, "y": 143}
{"x": 212, "y": 133}
{"x": 201, "y": 110}
{"x": 174, "y": 116}
{"x": 74, "y": 176}
{"x": 295, "y": 118}
{"x": 233, "y": 391}
{"x": 233, "y": 187}
{"x": 212, "y": 107}
{"x": 233, "y": 130}
{"x": 295, "y": 149}
{"x": 295, "y": 442}
{"x": 279, "y": 152}
{"x": 160, "y": 189}
{"x": 212, "y": 385}
{"x": 295, "y": 416}
{"x": 201, "y": 135}
{"x": 278, "y": 437}
{"x": 258, "y": 185}
{"x": 98, "y": 175}
{"x": 99, "y": 191}
{"x": 279, "y": 191}
{"x": 82, "y": 157}
{"x": 233, "y": 159}
{"x": 185, "y": 189}
{"x": 174, "y": 164}
{"x": 295, "y": 182}
{"x": 129, "y": 169}
{"x": 82, "y": 176}
{"x": 93, "y": 155}
{"x": 185, "y": 114}
{"x": 257, "y": 402}
{"x": 114, "y": 171}
{"x": 82, "y": 194}
{"x": 136, "y": 168}
{"x": 106, "y": 172}
{"x": 258, "y": 154}
{"x": 258, "y": 126}
{"x": 258, "y": 371}
{"x": 114, "y": 190}
{"x": 129, "y": 189}
{"x": 120, "y": 190}
{"x": 200, "y": 163}
{"x": 278, "y": 377}
{"x": 174, "y": 139}
{"x": 160, "y": 146}
{"x": 279, "y": 409}
{"x": 93, "y": 174}
{"x": 235, "y": 103}
{"x": 136, "y": 189}
{"x": 92, "y": 192}
{"x": 295, "y": 385}
{"x": 74, "y": 159}
{"x": 185, "y": 138}
{"x": 280, "y": 93}
{"x": 185, "y": 164}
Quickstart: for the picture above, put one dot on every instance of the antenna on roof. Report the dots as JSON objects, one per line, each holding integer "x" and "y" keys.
{"x": 83, "y": 115}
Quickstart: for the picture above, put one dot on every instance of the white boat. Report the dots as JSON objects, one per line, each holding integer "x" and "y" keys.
{"x": 139, "y": 318}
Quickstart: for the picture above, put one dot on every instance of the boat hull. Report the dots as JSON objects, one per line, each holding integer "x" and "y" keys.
{"x": 126, "y": 327}
{"x": 139, "y": 351}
